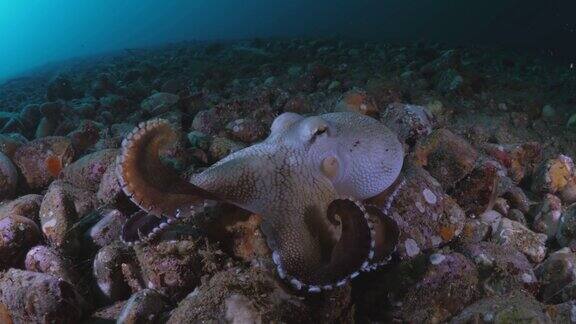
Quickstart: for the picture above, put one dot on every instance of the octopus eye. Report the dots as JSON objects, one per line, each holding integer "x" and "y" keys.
{"x": 314, "y": 127}
{"x": 321, "y": 130}
{"x": 330, "y": 166}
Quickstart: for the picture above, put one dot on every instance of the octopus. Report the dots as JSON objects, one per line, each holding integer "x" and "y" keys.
{"x": 311, "y": 180}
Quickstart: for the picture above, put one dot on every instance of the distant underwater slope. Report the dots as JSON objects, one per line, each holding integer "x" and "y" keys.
{"x": 36, "y": 32}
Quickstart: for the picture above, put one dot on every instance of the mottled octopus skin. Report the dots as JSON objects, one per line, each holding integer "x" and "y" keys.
{"x": 306, "y": 172}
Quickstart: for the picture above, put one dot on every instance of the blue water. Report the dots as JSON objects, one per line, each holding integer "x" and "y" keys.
{"x": 35, "y": 32}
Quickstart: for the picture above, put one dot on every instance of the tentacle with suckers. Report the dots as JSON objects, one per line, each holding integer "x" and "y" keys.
{"x": 305, "y": 270}
{"x": 157, "y": 189}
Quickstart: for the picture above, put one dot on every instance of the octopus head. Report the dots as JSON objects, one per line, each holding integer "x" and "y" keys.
{"x": 359, "y": 155}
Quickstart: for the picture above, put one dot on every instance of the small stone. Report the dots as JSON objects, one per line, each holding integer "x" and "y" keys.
{"x": 160, "y": 102}
{"x": 553, "y": 175}
{"x": 410, "y": 122}
{"x": 566, "y": 234}
{"x": 548, "y": 112}
{"x": 221, "y": 147}
{"x": 412, "y": 248}
{"x": 557, "y": 275}
{"x": 358, "y": 101}
{"x": 17, "y": 235}
{"x": 145, "y": 306}
{"x": 512, "y": 233}
{"x": 112, "y": 264}
{"x": 517, "y": 306}
{"x": 547, "y": 215}
{"x": 108, "y": 228}
{"x": 437, "y": 258}
{"x": 246, "y": 130}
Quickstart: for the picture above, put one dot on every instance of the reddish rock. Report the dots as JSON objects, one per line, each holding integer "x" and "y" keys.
{"x": 520, "y": 159}
{"x": 42, "y": 160}
{"x": 358, "y": 101}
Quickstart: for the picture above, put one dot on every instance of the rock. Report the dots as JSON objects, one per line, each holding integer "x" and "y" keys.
{"x": 425, "y": 215}
{"x": 358, "y": 101}
{"x": 86, "y": 173}
{"x": 553, "y": 175}
{"x": 221, "y": 147}
{"x": 8, "y": 177}
{"x": 432, "y": 299}
{"x": 230, "y": 296}
{"x": 520, "y": 160}
{"x": 478, "y": 191}
{"x": 172, "y": 267}
{"x": 109, "y": 189}
{"x": 60, "y": 88}
{"x": 27, "y": 206}
{"x": 568, "y": 193}
{"x": 17, "y": 235}
{"x": 207, "y": 122}
{"x": 108, "y": 228}
{"x": 409, "y": 122}
{"x": 571, "y": 123}
{"x": 42, "y": 160}
{"x": 449, "y": 81}
{"x": 62, "y": 206}
{"x": 102, "y": 85}
{"x": 48, "y": 260}
{"x": 30, "y": 297}
{"x": 557, "y": 275}
{"x": 10, "y": 143}
{"x": 566, "y": 233}
{"x": 562, "y": 313}
{"x": 448, "y": 157}
{"x": 246, "y": 130}
{"x": 85, "y": 136}
{"x": 160, "y": 102}
{"x": 502, "y": 268}
{"x": 548, "y": 112}
{"x": 518, "y": 199}
{"x": 107, "y": 314}
{"x": 546, "y": 215}
{"x": 515, "y": 307}
{"x": 198, "y": 140}
{"x": 474, "y": 231}
{"x": 512, "y": 233}
{"x": 144, "y": 306}
{"x": 116, "y": 271}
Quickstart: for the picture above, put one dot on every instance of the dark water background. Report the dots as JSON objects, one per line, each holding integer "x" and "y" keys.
{"x": 36, "y": 32}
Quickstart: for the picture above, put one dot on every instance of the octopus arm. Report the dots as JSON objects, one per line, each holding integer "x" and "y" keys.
{"x": 305, "y": 260}
{"x": 154, "y": 187}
